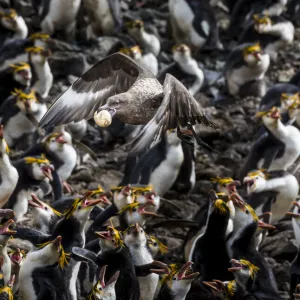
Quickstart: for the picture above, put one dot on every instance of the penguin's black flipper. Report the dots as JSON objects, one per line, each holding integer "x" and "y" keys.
{"x": 145, "y": 270}
{"x": 56, "y": 186}
{"x": 109, "y": 212}
{"x": 84, "y": 255}
{"x": 270, "y": 155}
{"x": 34, "y": 236}
{"x": 93, "y": 246}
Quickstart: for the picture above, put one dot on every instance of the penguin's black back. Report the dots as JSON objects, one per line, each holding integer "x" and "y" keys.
{"x": 210, "y": 255}
{"x": 127, "y": 286}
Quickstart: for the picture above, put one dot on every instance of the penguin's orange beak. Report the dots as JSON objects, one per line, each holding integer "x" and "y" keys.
{"x": 215, "y": 285}
{"x": 142, "y": 209}
{"x": 90, "y": 202}
{"x": 275, "y": 114}
{"x": 126, "y": 190}
{"x": 7, "y": 213}
{"x": 61, "y": 140}
{"x": 16, "y": 257}
{"x": 236, "y": 266}
{"x": 5, "y": 230}
{"x": 36, "y": 202}
{"x": 57, "y": 242}
{"x": 47, "y": 170}
{"x": 263, "y": 225}
{"x": 186, "y": 272}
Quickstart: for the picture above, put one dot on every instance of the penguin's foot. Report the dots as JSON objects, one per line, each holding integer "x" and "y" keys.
{"x": 68, "y": 188}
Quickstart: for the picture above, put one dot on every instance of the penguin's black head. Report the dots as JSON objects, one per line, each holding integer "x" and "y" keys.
{"x": 39, "y": 167}
{"x": 21, "y": 73}
{"x": 26, "y": 100}
{"x": 8, "y": 18}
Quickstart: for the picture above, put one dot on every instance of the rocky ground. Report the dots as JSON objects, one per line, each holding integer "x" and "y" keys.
{"x": 231, "y": 142}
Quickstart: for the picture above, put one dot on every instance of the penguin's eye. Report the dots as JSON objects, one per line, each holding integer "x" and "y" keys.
{"x": 46, "y": 208}
{"x": 52, "y": 140}
{"x": 174, "y": 278}
{"x": 79, "y": 207}
{"x": 134, "y": 209}
{"x": 223, "y": 185}
{"x": 154, "y": 244}
{"x": 247, "y": 211}
{"x": 141, "y": 230}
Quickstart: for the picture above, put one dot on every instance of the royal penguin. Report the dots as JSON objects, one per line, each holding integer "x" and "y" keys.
{"x": 38, "y": 57}
{"x": 32, "y": 171}
{"x": 160, "y": 165}
{"x": 147, "y": 40}
{"x": 277, "y": 149}
{"x": 44, "y": 216}
{"x": 13, "y": 25}
{"x": 33, "y": 286}
{"x": 17, "y": 258}
{"x": 210, "y": 244}
{"x": 184, "y": 65}
{"x": 242, "y": 245}
{"x": 104, "y": 17}
{"x": 245, "y": 274}
{"x": 9, "y": 174}
{"x": 225, "y": 288}
{"x": 136, "y": 241}
{"x": 104, "y": 289}
{"x": 147, "y": 60}
{"x": 194, "y": 23}
{"x": 71, "y": 227}
{"x": 117, "y": 258}
{"x": 273, "y": 33}
{"x": 176, "y": 281}
{"x": 276, "y": 189}
{"x": 245, "y": 69}
{"x": 13, "y": 52}
{"x": 243, "y": 11}
{"x": 20, "y": 114}
{"x": 156, "y": 247}
{"x": 17, "y": 75}
{"x": 5, "y": 234}
{"x": 281, "y": 95}
{"x": 61, "y": 153}
{"x": 59, "y": 15}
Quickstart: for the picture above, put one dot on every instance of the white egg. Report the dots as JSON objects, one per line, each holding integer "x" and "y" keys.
{"x": 103, "y": 118}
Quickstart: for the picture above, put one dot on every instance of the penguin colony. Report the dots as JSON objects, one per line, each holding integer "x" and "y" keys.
{"x": 164, "y": 75}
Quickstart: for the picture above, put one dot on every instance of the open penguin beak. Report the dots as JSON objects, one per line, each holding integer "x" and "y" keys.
{"x": 36, "y": 202}
{"x": 236, "y": 266}
{"x": 126, "y": 191}
{"x": 90, "y": 202}
{"x": 103, "y": 234}
{"x": 47, "y": 170}
{"x": 257, "y": 55}
{"x": 102, "y": 275}
{"x": 238, "y": 201}
{"x": 263, "y": 225}
{"x": 231, "y": 187}
{"x": 292, "y": 214}
{"x": 215, "y": 285}
{"x": 136, "y": 228}
{"x": 57, "y": 242}
{"x": 186, "y": 272}
{"x": 275, "y": 114}
{"x": 5, "y": 230}
{"x": 142, "y": 208}
{"x": 16, "y": 257}
{"x": 61, "y": 140}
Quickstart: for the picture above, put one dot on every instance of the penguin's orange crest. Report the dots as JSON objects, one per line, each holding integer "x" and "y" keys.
{"x": 173, "y": 270}
{"x": 125, "y": 51}
{"x": 21, "y": 95}
{"x": 35, "y": 49}
{"x": 20, "y": 66}
{"x": 8, "y": 14}
{"x": 260, "y": 173}
{"x": 163, "y": 249}
{"x": 69, "y": 212}
{"x": 252, "y": 49}
{"x": 252, "y": 268}
{"x": 129, "y": 207}
{"x": 221, "y": 206}
{"x": 39, "y": 160}
{"x": 263, "y": 19}
{"x": 7, "y": 290}
{"x": 39, "y": 36}
{"x": 221, "y": 181}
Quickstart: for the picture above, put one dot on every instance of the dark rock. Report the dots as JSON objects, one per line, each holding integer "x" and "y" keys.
{"x": 83, "y": 175}
{"x": 67, "y": 63}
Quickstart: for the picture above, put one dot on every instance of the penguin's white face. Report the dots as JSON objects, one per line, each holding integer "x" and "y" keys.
{"x": 107, "y": 292}
{"x": 56, "y": 144}
{"x": 172, "y": 137}
{"x": 180, "y": 287}
{"x": 123, "y": 197}
{"x": 10, "y": 22}
{"x": 271, "y": 118}
{"x": 23, "y": 77}
{"x": 181, "y": 52}
{"x": 243, "y": 270}
{"x": 255, "y": 183}
{"x": 135, "y": 236}
{"x": 41, "y": 171}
